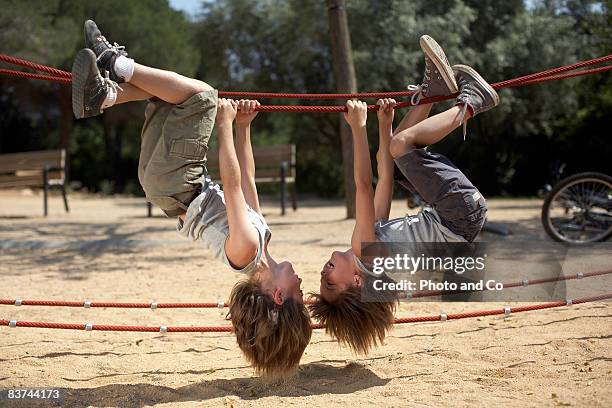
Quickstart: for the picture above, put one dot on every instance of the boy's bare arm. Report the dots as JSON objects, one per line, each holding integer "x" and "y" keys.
{"x": 364, "y": 193}
{"x": 244, "y": 151}
{"x": 384, "y": 188}
{"x": 241, "y": 245}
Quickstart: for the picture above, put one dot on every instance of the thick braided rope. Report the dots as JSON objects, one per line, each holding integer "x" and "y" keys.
{"x": 285, "y": 95}
{"x": 554, "y": 71}
{"x": 518, "y": 309}
{"x": 122, "y": 305}
{"x": 29, "y": 75}
{"x": 521, "y": 283}
{"x": 177, "y": 305}
{"x": 209, "y": 329}
{"x": 32, "y": 65}
{"x": 549, "y": 75}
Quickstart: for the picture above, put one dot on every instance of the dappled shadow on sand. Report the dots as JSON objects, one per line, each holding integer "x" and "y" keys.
{"x": 312, "y": 379}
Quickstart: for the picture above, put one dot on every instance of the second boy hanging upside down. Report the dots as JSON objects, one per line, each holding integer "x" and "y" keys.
{"x": 458, "y": 208}
{"x": 267, "y": 311}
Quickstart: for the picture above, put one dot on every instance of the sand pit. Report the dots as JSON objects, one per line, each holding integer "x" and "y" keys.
{"x": 107, "y": 250}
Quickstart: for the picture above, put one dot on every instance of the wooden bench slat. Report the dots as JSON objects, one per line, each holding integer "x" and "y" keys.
{"x": 35, "y": 160}
{"x": 27, "y": 169}
{"x": 267, "y": 163}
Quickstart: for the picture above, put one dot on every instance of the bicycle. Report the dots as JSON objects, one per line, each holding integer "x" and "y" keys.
{"x": 578, "y": 209}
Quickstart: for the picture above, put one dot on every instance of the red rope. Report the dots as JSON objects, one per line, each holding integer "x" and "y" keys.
{"x": 124, "y": 305}
{"x": 29, "y": 75}
{"x": 517, "y": 309}
{"x": 538, "y": 77}
{"x": 551, "y": 72}
{"x": 135, "y": 305}
{"x": 216, "y": 329}
{"x": 285, "y": 95}
{"x": 36, "y": 67}
{"x": 430, "y": 293}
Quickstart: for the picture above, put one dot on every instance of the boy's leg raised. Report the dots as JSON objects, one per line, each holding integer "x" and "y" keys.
{"x": 172, "y": 164}
{"x": 113, "y": 58}
{"x": 459, "y": 204}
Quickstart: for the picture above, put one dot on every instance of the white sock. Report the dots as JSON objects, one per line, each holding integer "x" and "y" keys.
{"x": 111, "y": 98}
{"x": 124, "y": 67}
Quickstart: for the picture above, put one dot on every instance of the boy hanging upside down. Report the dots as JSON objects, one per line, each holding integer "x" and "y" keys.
{"x": 458, "y": 209}
{"x": 267, "y": 311}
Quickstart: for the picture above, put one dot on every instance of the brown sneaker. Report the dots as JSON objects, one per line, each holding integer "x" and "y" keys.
{"x": 475, "y": 92}
{"x": 438, "y": 79}
{"x": 89, "y": 87}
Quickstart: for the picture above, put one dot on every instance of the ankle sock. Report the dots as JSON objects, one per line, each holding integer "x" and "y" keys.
{"x": 124, "y": 67}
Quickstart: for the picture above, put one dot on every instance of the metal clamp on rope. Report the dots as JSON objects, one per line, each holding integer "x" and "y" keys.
{"x": 153, "y": 305}
{"x": 18, "y": 302}
{"x": 13, "y": 323}
{"x": 507, "y": 310}
{"x": 163, "y": 329}
{"x": 220, "y": 304}
{"x": 89, "y": 327}
{"x": 568, "y": 302}
{"x": 443, "y": 317}
{"x": 87, "y": 304}
{"x": 525, "y": 282}
{"x": 579, "y": 275}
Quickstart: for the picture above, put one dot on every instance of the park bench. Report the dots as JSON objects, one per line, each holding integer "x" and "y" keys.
{"x": 273, "y": 164}
{"x": 43, "y": 168}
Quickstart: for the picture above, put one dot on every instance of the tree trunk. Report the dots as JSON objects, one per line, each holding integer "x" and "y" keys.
{"x": 66, "y": 118}
{"x": 344, "y": 72}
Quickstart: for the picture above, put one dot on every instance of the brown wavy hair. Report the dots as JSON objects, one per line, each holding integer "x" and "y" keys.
{"x": 272, "y": 337}
{"x": 357, "y": 324}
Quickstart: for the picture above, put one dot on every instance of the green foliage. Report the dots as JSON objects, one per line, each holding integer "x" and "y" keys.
{"x": 283, "y": 45}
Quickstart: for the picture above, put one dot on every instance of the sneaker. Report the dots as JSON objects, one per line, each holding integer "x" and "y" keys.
{"x": 438, "y": 79}
{"x": 106, "y": 54}
{"x": 89, "y": 88}
{"x": 475, "y": 93}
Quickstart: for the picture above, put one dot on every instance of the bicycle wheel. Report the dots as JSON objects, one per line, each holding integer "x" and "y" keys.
{"x": 578, "y": 210}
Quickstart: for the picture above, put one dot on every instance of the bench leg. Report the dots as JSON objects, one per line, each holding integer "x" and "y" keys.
{"x": 65, "y": 198}
{"x": 283, "y": 171}
{"x": 293, "y": 197}
{"x": 45, "y": 190}
{"x": 149, "y": 210}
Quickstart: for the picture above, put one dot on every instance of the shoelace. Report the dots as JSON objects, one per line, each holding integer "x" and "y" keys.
{"x": 104, "y": 82}
{"x": 110, "y": 82}
{"x": 114, "y": 48}
{"x": 417, "y": 95}
{"x": 420, "y": 89}
{"x": 467, "y": 91}
{"x": 463, "y": 113}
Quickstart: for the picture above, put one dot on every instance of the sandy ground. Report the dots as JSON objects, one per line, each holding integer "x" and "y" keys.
{"x": 106, "y": 249}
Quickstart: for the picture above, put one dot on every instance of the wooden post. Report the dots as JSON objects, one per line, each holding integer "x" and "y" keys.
{"x": 66, "y": 118}
{"x": 46, "y": 189}
{"x": 283, "y": 192}
{"x": 344, "y": 72}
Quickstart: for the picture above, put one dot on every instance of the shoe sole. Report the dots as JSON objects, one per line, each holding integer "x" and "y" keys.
{"x": 81, "y": 69}
{"x": 485, "y": 85}
{"x": 88, "y": 27}
{"x": 433, "y": 50}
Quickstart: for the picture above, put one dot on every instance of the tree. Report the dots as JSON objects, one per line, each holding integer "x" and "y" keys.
{"x": 345, "y": 83}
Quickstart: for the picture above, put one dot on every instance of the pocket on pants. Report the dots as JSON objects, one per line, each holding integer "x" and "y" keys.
{"x": 476, "y": 214}
{"x": 190, "y": 149}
